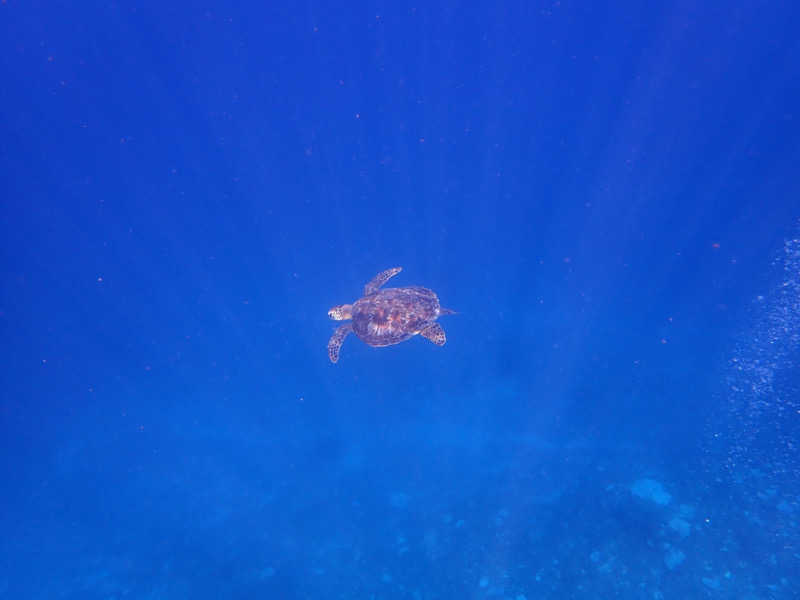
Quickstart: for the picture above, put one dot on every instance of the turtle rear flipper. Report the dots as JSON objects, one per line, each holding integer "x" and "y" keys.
{"x": 380, "y": 279}
{"x": 335, "y": 343}
{"x": 434, "y": 333}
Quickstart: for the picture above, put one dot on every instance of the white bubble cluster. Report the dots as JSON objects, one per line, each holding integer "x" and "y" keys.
{"x": 763, "y": 381}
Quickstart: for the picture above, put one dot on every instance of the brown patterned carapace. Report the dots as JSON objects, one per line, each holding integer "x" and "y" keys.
{"x": 388, "y": 316}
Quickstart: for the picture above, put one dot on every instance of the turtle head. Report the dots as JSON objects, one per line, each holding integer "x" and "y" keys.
{"x": 341, "y": 312}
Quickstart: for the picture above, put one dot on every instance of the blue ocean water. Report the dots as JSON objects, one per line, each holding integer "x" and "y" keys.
{"x": 606, "y": 193}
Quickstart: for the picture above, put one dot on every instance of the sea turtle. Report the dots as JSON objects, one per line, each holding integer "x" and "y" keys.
{"x": 388, "y": 316}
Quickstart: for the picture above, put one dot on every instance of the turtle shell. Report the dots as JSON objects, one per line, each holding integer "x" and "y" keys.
{"x": 393, "y": 315}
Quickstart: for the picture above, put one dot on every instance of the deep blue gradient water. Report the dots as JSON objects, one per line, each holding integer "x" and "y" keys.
{"x": 606, "y": 193}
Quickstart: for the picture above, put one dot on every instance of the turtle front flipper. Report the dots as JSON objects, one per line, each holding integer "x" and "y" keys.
{"x": 434, "y": 333}
{"x": 335, "y": 343}
{"x": 380, "y": 279}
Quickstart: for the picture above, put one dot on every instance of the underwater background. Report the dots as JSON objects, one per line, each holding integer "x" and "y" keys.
{"x": 606, "y": 193}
